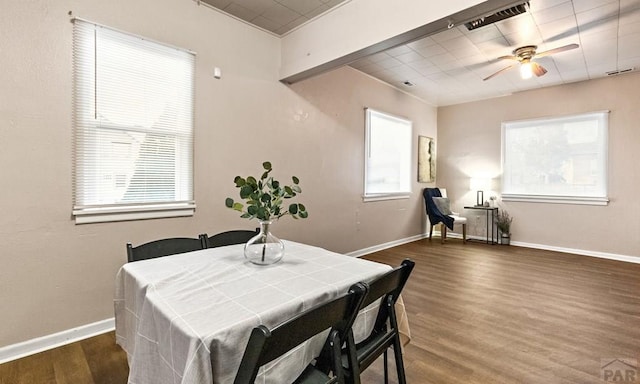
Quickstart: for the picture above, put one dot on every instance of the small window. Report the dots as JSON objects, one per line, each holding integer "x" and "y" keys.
{"x": 388, "y": 156}
{"x": 560, "y": 160}
{"x": 133, "y": 117}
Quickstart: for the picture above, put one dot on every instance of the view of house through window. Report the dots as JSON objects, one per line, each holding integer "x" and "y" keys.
{"x": 388, "y": 156}
{"x": 562, "y": 159}
{"x": 133, "y": 115}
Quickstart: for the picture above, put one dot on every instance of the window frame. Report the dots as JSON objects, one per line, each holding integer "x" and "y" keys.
{"x": 398, "y": 194}
{"x": 586, "y": 199}
{"x": 89, "y": 210}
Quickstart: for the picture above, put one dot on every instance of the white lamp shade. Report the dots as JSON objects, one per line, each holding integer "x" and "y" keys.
{"x": 479, "y": 183}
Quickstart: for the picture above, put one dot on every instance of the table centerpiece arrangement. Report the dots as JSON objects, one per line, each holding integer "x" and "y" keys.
{"x": 263, "y": 200}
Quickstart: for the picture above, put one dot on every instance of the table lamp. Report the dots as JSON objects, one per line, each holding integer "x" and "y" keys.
{"x": 478, "y": 184}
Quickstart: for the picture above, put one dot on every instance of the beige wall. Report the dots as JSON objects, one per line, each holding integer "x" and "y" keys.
{"x": 469, "y": 142}
{"x": 55, "y": 275}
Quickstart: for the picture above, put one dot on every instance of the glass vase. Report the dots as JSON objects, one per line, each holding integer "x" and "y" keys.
{"x": 264, "y": 248}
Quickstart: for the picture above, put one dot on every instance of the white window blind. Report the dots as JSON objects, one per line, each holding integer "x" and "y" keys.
{"x": 133, "y": 117}
{"x": 388, "y": 156}
{"x": 560, "y": 160}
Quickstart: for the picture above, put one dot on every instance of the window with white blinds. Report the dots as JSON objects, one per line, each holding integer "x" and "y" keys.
{"x": 133, "y": 117}
{"x": 556, "y": 159}
{"x": 387, "y": 170}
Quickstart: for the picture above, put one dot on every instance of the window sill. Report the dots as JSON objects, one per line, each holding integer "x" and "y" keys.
{"x": 580, "y": 200}
{"x": 132, "y": 212}
{"x": 390, "y": 196}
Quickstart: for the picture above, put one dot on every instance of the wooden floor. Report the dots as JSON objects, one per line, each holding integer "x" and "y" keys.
{"x": 478, "y": 314}
{"x": 97, "y": 360}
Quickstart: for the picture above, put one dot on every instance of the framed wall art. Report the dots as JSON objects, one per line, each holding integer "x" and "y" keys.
{"x": 426, "y": 159}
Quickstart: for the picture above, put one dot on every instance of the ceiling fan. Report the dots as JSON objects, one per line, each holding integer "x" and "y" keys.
{"x": 525, "y": 55}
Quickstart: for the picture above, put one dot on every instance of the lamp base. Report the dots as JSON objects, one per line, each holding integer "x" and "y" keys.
{"x": 479, "y": 199}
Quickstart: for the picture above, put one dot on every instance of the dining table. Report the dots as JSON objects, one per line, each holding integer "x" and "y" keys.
{"x": 187, "y": 318}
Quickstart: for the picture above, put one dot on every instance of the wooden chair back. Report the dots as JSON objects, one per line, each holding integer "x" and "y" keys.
{"x": 229, "y": 238}
{"x": 163, "y": 247}
{"x": 338, "y": 315}
{"x": 385, "y": 333}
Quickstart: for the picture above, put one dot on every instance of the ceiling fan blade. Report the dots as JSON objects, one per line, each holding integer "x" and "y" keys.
{"x": 537, "y": 69}
{"x": 556, "y": 50}
{"x": 499, "y": 72}
{"x": 508, "y": 57}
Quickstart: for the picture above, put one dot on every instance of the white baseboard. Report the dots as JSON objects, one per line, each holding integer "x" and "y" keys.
{"x": 581, "y": 252}
{"x": 40, "y": 344}
{"x": 30, "y": 347}
{"x": 437, "y": 235}
{"x": 380, "y": 247}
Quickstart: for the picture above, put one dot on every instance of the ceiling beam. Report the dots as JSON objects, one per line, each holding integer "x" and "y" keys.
{"x": 360, "y": 28}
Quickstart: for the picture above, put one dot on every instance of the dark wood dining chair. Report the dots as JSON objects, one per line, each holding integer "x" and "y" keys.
{"x": 163, "y": 247}
{"x": 385, "y": 332}
{"x": 229, "y": 238}
{"x": 338, "y": 315}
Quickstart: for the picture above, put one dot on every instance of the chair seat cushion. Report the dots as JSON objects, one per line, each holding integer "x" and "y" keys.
{"x": 458, "y": 219}
{"x": 312, "y": 375}
{"x": 368, "y": 350}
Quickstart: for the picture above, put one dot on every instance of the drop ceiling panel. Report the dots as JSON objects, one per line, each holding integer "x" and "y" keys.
{"x": 276, "y": 16}
{"x": 607, "y": 31}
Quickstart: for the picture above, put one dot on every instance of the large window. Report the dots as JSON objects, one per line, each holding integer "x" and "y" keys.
{"x": 556, "y": 159}
{"x": 388, "y": 156}
{"x": 133, "y": 117}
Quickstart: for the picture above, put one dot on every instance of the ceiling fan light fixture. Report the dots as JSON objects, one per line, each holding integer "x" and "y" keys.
{"x": 526, "y": 72}
{"x": 523, "y": 56}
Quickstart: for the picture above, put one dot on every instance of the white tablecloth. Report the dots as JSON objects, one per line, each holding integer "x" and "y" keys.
{"x": 187, "y": 318}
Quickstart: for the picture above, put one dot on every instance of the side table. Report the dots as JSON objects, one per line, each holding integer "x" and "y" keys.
{"x": 492, "y": 213}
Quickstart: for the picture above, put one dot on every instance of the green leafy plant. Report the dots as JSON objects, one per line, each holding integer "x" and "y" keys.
{"x": 264, "y": 197}
{"x": 503, "y": 222}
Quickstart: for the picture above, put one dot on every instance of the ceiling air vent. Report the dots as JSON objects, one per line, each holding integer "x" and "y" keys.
{"x": 619, "y": 71}
{"x": 500, "y": 15}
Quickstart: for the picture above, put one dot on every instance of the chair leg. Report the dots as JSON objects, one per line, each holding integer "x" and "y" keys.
{"x": 443, "y": 233}
{"x": 386, "y": 368}
{"x": 464, "y": 233}
{"x": 430, "y": 232}
{"x": 397, "y": 352}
